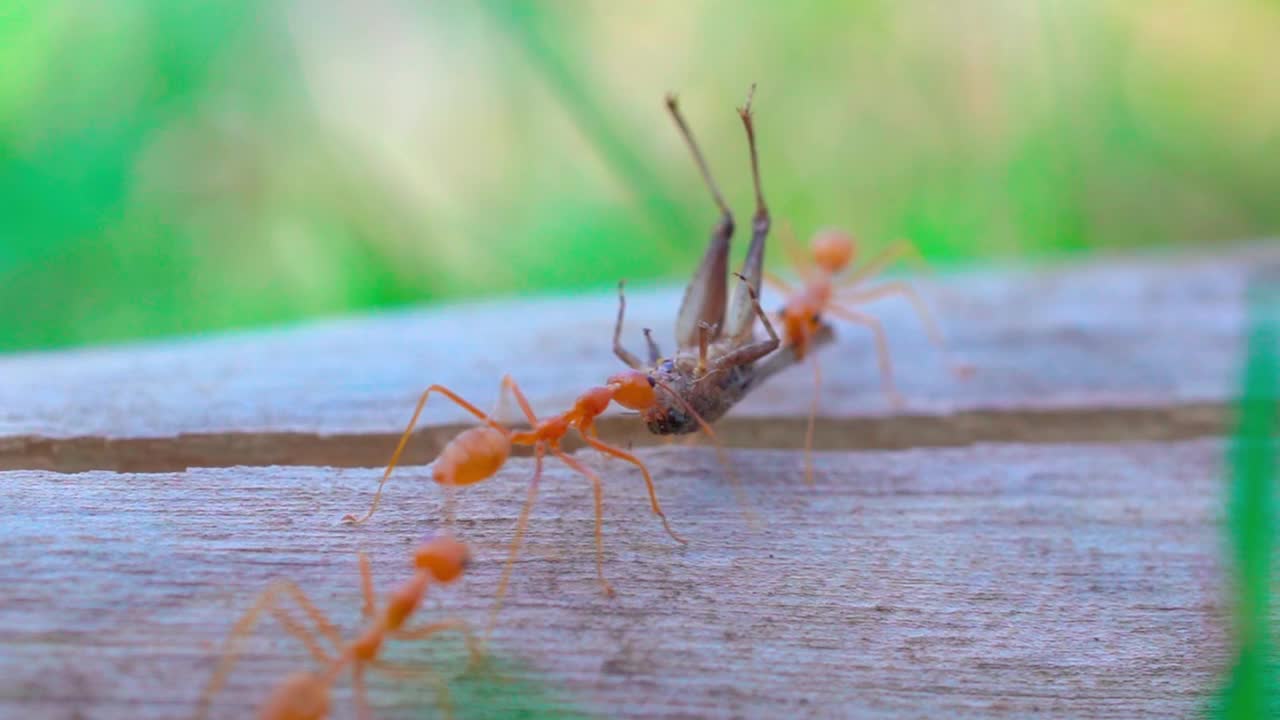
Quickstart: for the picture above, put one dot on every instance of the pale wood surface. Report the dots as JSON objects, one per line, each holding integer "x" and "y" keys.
{"x": 1061, "y": 559}
{"x": 1153, "y": 342}
{"x": 994, "y": 581}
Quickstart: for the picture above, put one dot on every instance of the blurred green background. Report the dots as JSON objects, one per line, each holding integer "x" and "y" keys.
{"x": 173, "y": 167}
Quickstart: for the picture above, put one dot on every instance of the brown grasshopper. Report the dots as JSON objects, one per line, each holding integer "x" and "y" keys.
{"x": 715, "y": 362}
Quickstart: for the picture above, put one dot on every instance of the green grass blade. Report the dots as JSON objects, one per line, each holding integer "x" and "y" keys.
{"x": 1250, "y": 688}
{"x": 536, "y": 29}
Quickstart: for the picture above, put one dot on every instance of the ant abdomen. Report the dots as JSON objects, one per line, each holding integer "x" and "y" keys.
{"x": 832, "y": 249}
{"x": 474, "y": 455}
{"x": 302, "y": 696}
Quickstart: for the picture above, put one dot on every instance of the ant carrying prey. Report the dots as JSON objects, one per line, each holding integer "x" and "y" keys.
{"x": 478, "y": 453}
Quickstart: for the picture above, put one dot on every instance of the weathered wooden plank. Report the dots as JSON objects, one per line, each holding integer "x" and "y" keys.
{"x": 1153, "y": 342}
{"x": 993, "y": 581}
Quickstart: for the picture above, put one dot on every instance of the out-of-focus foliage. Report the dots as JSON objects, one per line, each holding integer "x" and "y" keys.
{"x": 1250, "y": 690}
{"x": 170, "y": 167}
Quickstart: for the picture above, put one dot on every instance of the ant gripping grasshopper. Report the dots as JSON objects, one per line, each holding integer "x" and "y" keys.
{"x": 478, "y": 453}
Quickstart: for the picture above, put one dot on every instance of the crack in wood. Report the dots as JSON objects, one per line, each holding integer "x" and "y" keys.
{"x": 1111, "y": 425}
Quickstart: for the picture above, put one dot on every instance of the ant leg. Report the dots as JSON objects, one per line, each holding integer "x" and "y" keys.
{"x": 598, "y": 488}
{"x": 794, "y": 253}
{"x": 756, "y": 350}
{"x": 421, "y": 632}
{"x": 408, "y": 432}
{"x": 315, "y": 614}
{"x": 882, "y": 349}
{"x": 922, "y": 311}
{"x": 509, "y": 383}
{"x": 721, "y": 455}
{"x": 654, "y": 353}
{"x": 443, "y": 700}
{"x": 450, "y": 504}
{"x": 644, "y": 471}
{"x": 522, "y": 525}
{"x": 499, "y": 412}
{"x": 778, "y": 283}
{"x": 903, "y": 290}
{"x": 813, "y": 416}
{"x": 704, "y": 296}
{"x": 741, "y": 319}
{"x": 296, "y": 629}
{"x": 623, "y": 354}
{"x": 366, "y": 589}
{"x": 897, "y": 250}
{"x": 265, "y": 602}
{"x": 361, "y": 692}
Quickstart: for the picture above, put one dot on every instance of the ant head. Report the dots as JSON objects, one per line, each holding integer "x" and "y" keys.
{"x": 633, "y": 390}
{"x": 832, "y": 249}
{"x": 301, "y": 695}
{"x": 444, "y": 557}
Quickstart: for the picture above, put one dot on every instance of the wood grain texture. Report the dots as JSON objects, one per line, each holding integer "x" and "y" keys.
{"x": 1156, "y": 338}
{"x": 992, "y": 581}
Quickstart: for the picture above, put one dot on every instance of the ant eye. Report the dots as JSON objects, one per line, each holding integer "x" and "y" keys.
{"x": 817, "y": 318}
{"x": 652, "y": 382}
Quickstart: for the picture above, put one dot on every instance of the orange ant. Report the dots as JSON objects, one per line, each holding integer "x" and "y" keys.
{"x": 306, "y": 695}
{"x": 824, "y": 292}
{"x": 477, "y": 454}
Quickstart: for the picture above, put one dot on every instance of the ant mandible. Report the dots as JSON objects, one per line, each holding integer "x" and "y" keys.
{"x": 306, "y": 695}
